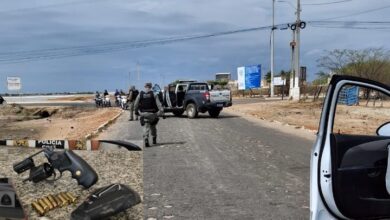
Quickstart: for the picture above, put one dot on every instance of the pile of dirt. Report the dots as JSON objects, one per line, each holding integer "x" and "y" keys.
{"x": 47, "y": 123}
{"x": 14, "y": 112}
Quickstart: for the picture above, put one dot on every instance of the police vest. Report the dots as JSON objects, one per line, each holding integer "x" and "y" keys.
{"x": 134, "y": 95}
{"x": 147, "y": 102}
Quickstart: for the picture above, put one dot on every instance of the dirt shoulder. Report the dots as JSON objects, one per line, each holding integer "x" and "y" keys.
{"x": 306, "y": 115}
{"x": 298, "y": 115}
{"x": 44, "y": 123}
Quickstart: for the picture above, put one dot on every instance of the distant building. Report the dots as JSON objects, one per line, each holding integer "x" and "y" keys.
{"x": 222, "y": 76}
{"x": 264, "y": 83}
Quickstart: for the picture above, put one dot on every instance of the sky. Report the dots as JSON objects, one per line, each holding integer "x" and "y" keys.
{"x": 45, "y": 26}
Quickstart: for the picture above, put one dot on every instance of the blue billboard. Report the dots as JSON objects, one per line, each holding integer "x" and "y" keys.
{"x": 249, "y": 77}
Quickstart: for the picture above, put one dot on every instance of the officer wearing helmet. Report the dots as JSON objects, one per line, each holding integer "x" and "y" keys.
{"x": 149, "y": 107}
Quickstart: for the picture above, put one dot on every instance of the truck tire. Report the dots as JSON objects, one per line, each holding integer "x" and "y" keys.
{"x": 191, "y": 110}
{"x": 178, "y": 113}
{"x": 214, "y": 113}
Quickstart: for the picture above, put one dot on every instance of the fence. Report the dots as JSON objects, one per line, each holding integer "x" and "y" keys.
{"x": 349, "y": 96}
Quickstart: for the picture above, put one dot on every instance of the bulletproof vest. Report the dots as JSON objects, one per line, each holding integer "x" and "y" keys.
{"x": 147, "y": 102}
{"x": 134, "y": 95}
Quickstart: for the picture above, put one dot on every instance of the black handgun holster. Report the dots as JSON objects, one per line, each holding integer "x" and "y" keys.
{"x": 142, "y": 120}
{"x": 155, "y": 121}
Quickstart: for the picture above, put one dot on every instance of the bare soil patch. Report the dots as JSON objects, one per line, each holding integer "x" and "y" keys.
{"x": 44, "y": 123}
{"x": 349, "y": 119}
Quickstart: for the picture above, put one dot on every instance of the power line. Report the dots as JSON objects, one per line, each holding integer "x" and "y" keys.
{"x": 55, "y": 53}
{"x": 84, "y": 50}
{"x": 48, "y": 6}
{"x": 357, "y": 13}
{"x": 328, "y": 3}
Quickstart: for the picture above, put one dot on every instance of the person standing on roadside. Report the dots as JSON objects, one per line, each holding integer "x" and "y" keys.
{"x": 133, "y": 94}
{"x": 149, "y": 107}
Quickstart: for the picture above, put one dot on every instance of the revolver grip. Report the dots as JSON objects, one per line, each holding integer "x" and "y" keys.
{"x": 81, "y": 170}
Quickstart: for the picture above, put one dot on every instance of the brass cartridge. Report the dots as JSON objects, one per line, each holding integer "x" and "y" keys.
{"x": 52, "y": 200}
{"x": 63, "y": 200}
{"x": 38, "y": 208}
{"x": 43, "y": 205}
{"x": 71, "y": 196}
{"x": 48, "y": 203}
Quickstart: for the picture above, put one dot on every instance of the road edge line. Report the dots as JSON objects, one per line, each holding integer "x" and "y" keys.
{"x": 103, "y": 126}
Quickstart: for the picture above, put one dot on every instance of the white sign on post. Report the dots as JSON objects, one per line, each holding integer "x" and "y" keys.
{"x": 241, "y": 78}
{"x": 14, "y": 83}
{"x": 278, "y": 81}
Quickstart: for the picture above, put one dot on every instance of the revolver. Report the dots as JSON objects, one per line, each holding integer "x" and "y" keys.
{"x": 62, "y": 161}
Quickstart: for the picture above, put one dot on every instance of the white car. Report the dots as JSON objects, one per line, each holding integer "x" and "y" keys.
{"x": 350, "y": 172}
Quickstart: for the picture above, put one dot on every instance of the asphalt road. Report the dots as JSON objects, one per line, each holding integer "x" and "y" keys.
{"x": 225, "y": 168}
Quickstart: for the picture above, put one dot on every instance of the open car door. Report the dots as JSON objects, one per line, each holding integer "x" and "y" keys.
{"x": 349, "y": 176}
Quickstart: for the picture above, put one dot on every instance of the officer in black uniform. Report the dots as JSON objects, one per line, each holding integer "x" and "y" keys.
{"x": 149, "y": 107}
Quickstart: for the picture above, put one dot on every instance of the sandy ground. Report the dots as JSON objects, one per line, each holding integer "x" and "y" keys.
{"x": 52, "y": 122}
{"x": 306, "y": 115}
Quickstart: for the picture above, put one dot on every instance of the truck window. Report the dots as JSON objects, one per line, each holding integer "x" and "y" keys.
{"x": 198, "y": 87}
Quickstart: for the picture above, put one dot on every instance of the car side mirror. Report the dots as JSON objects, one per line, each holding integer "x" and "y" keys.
{"x": 384, "y": 130}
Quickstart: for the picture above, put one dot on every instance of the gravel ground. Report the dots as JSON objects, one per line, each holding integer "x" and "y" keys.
{"x": 112, "y": 166}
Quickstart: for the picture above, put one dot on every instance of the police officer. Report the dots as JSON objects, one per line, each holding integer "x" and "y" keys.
{"x": 133, "y": 94}
{"x": 149, "y": 107}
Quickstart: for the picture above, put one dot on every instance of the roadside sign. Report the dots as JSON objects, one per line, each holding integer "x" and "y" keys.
{"x": 14, "y": 83}
{"x": 278, "y": 81}
{"x": 249, "y": 77}
{"x": 58, "y": 144}
{"x": 302, "y": 73}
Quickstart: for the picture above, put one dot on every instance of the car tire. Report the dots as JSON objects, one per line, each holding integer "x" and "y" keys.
{"x": 191, "y": 110}
{"x": 214, "y": 113}
{"x": 178, "y": 113}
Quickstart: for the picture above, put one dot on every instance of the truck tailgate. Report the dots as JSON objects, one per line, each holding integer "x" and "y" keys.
{"x": 220, "y": 96}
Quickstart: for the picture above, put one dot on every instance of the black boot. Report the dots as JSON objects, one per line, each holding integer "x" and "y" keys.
{"x": 146, "y": 143}
{"x": 154, "y": 140}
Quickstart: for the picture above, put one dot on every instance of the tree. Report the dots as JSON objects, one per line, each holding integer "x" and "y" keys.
{"x": 267, "y": 77}
{"x": 370, "y": 63}
{"x": 322, "y": 78}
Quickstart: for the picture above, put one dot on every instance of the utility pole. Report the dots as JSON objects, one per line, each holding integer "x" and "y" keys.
{"x": 272, "y": 48}
{"x": 296, "y": 90}
{"x": 292, "y": 73}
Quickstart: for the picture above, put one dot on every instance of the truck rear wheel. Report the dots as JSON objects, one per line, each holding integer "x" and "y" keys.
{"x": 178, "y": 113}
{"x": 214, "y": 113}
{"x": 191, "y": 110}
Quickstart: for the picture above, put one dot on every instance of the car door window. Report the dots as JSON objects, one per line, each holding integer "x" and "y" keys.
{"x": 360, "y": 111}
{"x": 359, "y": 155}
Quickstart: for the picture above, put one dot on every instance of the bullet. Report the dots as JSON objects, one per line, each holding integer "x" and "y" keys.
{"x": 38, "y": 208}
{"x": 71, "y": 196}
{"x": 58, "y": 201}
{"x": 63, "y": 200}
{"x": 63, "y": 194}
{"x": 48, "y": 203}
{"x": 43, "y": 205}
{"x": 52, "y": 200}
